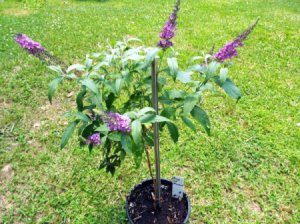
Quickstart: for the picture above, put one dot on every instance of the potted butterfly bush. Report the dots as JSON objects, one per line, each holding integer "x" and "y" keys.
{"x": 128, "y": 94}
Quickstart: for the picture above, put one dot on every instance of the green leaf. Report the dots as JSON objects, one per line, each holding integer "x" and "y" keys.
{"x": 162, "y": 80}
{"x": 90, "y": 84}
{"x": 173, "y": 66}
{"x": 127, "y": 143}
{"x": 164, "y": 100}
{"x": 201, "y": 116}
{"x": 184, "y": 77}
{"x": 122, "y": 155}
{"x": 101, "y": 65}
{"x": 189, "y": 103}
{"x": 96, "y": 100}
{"x": 147, "y": 118}
{"x": 87, "y": 131}
{"x": 118, "y": 85}
{"x": 53, "y": 86}
{"x": 175, "y": 94}
{"x": 152, "y": 54}
{"x": 138, "y": 160}
{"x": 168, "y": 112}
{"x": 207, "y": 86}
{"x": 133, "y": 57}
{"x": 149, "y": 140}
{"x": 71, "y": 76}
{"x": 88, "y": 62}
{"x": 67, "y": 114}
{"x": 134, "y": 39}
{"x": 188, "y": 122}
{"x": 223, "y": 74}
{"x": 228, "y": 87}
{"x": 109, "y": 100}
{"x": 57, "y": 69}
{"x": 82, "y": 117}
{"x": 103, "y": 129}
{"x": 111, "y": 85}
{"x": 131, "y": 114}
{"x": 150, "y": 57}
{"x": 67, "y": 134}
{"x": 212, "y": 67}
{"x": 198, "y": 68}
{"x": 77, "y": 67}
{"x": 103, "y": 139}
{"x": 136, "y": 128}
{"x": 196, "y": 58}
{"x": 79, "y": 99}
{"x": 146, "y": 110}
{"x": 231, "y": 89}
{"x": 115, "y": 136}
{"x": 137, "y": 151}
{"x": 173, "y": 131}
{"x": 159, "y": 118}
{"x": 81, "y": 128}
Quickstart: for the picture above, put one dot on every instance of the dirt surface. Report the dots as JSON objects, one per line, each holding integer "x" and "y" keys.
{"x": 141, "y": 205}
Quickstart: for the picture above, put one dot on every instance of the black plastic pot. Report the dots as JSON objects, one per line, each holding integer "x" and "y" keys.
{"x": 149, "y": 182}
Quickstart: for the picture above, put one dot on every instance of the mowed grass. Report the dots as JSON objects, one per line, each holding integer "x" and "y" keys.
{"x": 246, "y": 172}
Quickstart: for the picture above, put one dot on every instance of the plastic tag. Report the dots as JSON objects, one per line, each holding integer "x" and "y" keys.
{"x": 177, "y": 187}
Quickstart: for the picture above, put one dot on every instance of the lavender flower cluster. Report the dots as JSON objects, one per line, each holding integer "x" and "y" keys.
{"x": 168, "y": 31}
{"x": 117, "y": 122}
{"x": 28, "y": 44}
{"x": 114, "y": 121}
{"x": 229, "y": 50}
{"x": 94, "y": 139}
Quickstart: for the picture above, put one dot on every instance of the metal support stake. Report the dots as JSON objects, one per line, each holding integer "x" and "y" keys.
{"x": 156, "y": 132}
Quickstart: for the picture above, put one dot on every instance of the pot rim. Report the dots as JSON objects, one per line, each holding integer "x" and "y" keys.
{"x": 163, "y": 179}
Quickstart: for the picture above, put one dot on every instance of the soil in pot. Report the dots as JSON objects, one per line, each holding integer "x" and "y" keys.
{"x": 141, "y": 205}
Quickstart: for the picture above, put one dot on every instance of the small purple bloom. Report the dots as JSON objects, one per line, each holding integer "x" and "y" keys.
{"x": 94, "y": 139}
{"x": 168, "y": 31}
{"x": 172, "y": 17}
{"x": 28, "y": 44}
{"x": 165, "y": 43}
{"x": 117, "y": 122}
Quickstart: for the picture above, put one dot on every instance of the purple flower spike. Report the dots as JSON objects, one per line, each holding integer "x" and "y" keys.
{"x": 117, "y": 122}
{"x": 94, "y": 139}
{"x": 168, "y": 31}
{"x": 38, "y": 51}
{"x": 229, "y": 50}
{"x": 28, "y": 44}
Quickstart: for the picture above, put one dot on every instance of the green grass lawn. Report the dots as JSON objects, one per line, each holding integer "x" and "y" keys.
{"x": 246, "y": 172}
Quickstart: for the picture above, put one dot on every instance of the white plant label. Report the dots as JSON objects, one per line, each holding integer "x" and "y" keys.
{"x": 177, "y": 187}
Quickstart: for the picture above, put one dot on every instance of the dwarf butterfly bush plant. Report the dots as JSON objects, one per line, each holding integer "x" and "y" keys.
{"x": 114, "y": 111}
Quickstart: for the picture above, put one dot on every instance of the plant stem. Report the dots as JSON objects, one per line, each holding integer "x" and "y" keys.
{"x": 156, "y": 134}
{"x": 151, "y": 174}
{"x": 149, "y": 163}
{"x": 150, "y": 166}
